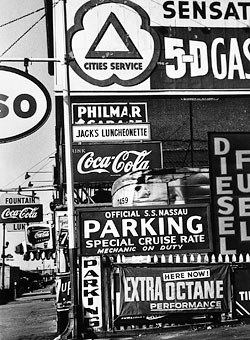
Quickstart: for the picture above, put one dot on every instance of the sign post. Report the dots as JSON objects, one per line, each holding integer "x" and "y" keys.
{"x": 73, "y": 312}
{"x": 3, "y": 255}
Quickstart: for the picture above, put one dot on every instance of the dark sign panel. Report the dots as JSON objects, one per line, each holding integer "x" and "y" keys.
{"x": 144, "y": 231}
{"x": 106, "y": 162}
{"x": 21, "y": 213}
{"x": 162, "y": 290}
{"x": 242, "y": 291}
{"x": 230, "y": 188}
{"x": 109, "y": 113}
{"x": 202, "y": 59}
{"x": 63, "y": 291}
{"x": 39, "y": 236}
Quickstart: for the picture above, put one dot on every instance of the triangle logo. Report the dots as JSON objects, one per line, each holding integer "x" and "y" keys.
{"x": 129, "y": 51}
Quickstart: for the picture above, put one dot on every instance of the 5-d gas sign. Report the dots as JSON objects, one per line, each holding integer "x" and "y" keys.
{"x": 144, "y": 45}
{"x": 25, "y": 104}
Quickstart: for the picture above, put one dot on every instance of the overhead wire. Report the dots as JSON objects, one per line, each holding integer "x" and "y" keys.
{"x": 18, "y": 39}
{"x": 28, "y": 170}
{"x": 22, "y": 17}
{"x": 28, "y": 30}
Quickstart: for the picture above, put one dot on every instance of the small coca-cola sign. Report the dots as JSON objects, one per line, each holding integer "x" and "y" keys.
{"x": 21, "y": 213}
{"x": 39, "y": 236}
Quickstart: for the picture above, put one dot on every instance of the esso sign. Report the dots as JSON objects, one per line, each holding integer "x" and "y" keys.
{"x": 25, "y": 104}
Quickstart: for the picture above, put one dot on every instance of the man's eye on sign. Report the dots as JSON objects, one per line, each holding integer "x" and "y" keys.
{"x": 108, "y": 48}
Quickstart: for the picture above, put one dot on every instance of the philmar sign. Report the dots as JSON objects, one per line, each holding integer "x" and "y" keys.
{"x": 144, "y": 231}
{"x": 21, "y": 213}
{"x": 105, "y": 162}
{"x": 155, "y": 290}
{"x": 109, "y": 113}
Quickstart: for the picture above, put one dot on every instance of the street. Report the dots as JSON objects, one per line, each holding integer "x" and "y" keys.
{"x": 30, "y": 317}
{"x": 239, "y": 332}
{"x": 33, "y": 317}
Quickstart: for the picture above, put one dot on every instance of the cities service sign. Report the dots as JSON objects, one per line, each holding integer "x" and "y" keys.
{"x": 143, "y": 45}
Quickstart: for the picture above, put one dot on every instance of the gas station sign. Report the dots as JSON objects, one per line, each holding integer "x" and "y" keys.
{"x": 25, "y": 104}
{"x": 148, "y": 46}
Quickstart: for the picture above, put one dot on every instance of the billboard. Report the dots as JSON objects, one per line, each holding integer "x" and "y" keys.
{"x": 149, "y": 46}
{"x": 155, "y": 290}
{"x": 103, "y": 162}
{"x": 164, "y": 229}
{"x": 229, "y": 154}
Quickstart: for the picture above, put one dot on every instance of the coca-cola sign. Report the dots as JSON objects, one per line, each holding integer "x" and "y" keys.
{"x": 106, "y": 162}
{"x": 21, "y": 213}
{"x": 39, "y": 236}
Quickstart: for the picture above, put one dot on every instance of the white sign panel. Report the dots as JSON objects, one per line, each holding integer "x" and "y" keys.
{"x": 92, "y": 290}
{"x": 15, "y": 199}
{"x": 16, "y": 227}
{"x": 111, "y": 132}
{"x": 25, "y": 104}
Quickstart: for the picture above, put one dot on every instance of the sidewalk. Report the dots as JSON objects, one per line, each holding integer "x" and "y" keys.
{"x": 30, "y": 317}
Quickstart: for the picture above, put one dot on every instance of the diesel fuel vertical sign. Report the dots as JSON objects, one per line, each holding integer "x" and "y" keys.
{"x": 230, "y": 191}
{"x": 145, "y": 45}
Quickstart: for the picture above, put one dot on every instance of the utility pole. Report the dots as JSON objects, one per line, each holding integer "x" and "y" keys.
{"x": 73, "y": 326}
{"x": 3, "y": 259}
{"x": 191, "y": 132}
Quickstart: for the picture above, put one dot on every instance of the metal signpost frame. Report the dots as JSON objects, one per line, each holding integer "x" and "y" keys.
{"x": 73, "y": 324}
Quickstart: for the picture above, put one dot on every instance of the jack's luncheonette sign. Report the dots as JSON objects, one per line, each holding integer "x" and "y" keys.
{"x": 145, "y": 45}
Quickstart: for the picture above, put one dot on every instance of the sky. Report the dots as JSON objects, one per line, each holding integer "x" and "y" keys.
{"x": 33, "y": 153}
